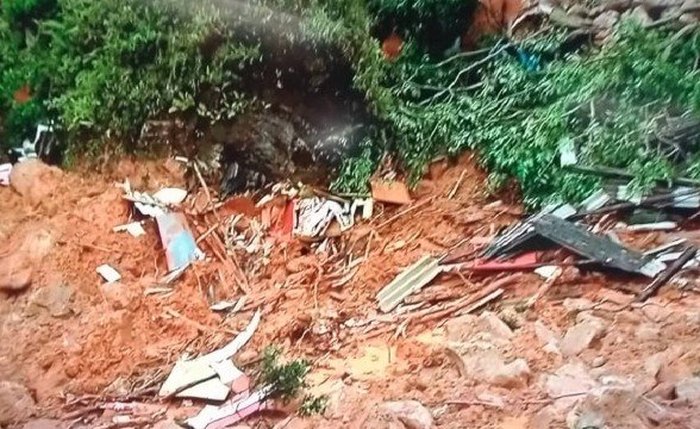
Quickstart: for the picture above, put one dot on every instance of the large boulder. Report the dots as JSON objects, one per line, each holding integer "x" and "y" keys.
{"x": 35, "y": 180}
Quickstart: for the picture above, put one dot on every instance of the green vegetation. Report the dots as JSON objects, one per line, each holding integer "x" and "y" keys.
{"x": 287, "y": 380}
{"x": 103, "y": 67}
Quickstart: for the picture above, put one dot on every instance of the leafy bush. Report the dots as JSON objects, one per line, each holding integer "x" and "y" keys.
{"x": 103, "y": 67}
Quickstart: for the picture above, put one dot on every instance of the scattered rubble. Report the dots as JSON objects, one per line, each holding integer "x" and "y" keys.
{"x": 474, "y": 331}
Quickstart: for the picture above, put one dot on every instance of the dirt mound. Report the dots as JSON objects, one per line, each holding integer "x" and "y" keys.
{"x": 73, "y": 336}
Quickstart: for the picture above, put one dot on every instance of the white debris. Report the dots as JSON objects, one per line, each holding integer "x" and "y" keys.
{"x": 548, "y": 271}
{"x": 171, "y": 196}
{"x": 656, "y": 226}
{"x": 190, "y": 373}
{"x": 5, "y": 170}
{"x": 133, "y": 228}
{"x": 108, "y": 273}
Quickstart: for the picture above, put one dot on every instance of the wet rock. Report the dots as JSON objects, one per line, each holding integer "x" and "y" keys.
{"x": 688, "y": 390}
{"x": 579, "y": 337}
{"x": 16, "y": 403}
{"x": 412, "y": 414}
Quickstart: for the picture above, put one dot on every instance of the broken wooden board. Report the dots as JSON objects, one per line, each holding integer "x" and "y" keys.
{"x": 409, "y": 281}
{"x": 601, "y": 249}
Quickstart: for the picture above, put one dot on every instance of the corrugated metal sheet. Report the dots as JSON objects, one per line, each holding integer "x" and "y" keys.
{"x": 409, "y": 281}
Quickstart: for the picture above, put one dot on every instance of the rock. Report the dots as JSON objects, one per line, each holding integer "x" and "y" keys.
{"x": 613, "y": 406}
{"x": 488, "y": 330}
{"x": 688, "y": 19}
{"x": 545, "y": 418}
{"x": 412, "y": 414}
{"x": 579, "y": 337}
{"x": 606, "y": 20}
{"x": 544, "y": 334}
{"x": 16, "y": 403}
{"x": 628, "y": 317}
{"x": 616, "y": 5}
{"x": 648, "y": 333}
{"x": 47, "y": 424}
{"x": 34, "y": 180}
{"x": 118, "y": 295}
{"x": 640, "y": 15}
{"x": 461, "y": 328}
{"x": 569, "y": 379}
{"x": 512, "y": 317}
{"x": 578, "y": 9}
{"x": 494, "y": 399}
{"x": 688, "y": 390}
{"x": 56, "y": 300}
{"x": 489, "y": 366}
{"x": 657, "y": 313}
{"x": 599, "y": 361}
{"x": 663, "y": 391}
{"x": 585, "y": 420}
{"x": 577, "y": 305}
{"x": 14, "y": 279}
{"x": 17, "y": 267}
{"x": 491, "y": 323}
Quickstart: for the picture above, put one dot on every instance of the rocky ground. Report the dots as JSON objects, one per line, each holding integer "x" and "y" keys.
{"x": 583, "y": 355}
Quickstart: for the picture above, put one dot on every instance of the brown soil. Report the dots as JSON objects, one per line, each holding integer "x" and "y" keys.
{"x": 115, "y": 340}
